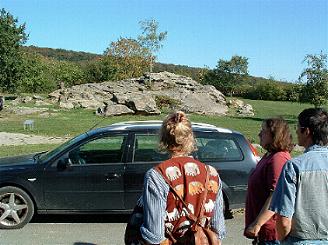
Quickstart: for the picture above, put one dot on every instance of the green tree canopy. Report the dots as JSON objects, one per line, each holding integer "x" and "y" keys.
{"x": 100, "y": 70}
{"x": 127, "y": 57}
{"x": 315, "y": 90}
{"x": 11, "y": 64}
{"x": 37, "y": 74}
{"x": 227, "y": 74}
{"x": 151, "y": 39}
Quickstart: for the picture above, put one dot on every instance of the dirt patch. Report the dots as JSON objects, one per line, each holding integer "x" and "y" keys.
{"x": 23, "y": 139}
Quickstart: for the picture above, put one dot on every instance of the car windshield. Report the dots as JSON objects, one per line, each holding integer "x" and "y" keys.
{"x": 58, "y": 149}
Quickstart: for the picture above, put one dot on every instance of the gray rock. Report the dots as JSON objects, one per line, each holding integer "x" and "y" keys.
{"x": 90, "y": 104}
{"x": 246, "y": 110}
{"x": 241, "y": 108}
{"x": 26, "y": 110}
{"x": 66, "y": 104}
{"x": 138, "y": 94}
{"x": 142, "y": 103}
{"x": 235, "y": 103}
{"x": 115, "y": 110}
{"x": 37, "y": 97}
{"x": 201, "y": 104}
{"x": 27, "y": 99}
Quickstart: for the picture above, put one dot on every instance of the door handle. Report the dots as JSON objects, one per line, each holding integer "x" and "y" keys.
{"x": 112, "y": 176}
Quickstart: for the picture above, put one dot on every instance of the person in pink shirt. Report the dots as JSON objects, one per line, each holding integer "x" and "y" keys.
{"x": 260, "y": 222}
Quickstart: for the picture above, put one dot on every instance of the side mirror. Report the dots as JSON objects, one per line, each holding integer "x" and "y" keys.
{"x": 64, "y": 164}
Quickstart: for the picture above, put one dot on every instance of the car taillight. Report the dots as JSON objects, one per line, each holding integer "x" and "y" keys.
{"x": 254, "y": 151}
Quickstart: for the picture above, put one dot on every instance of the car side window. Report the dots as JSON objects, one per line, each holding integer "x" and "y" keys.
{"x": 146, "y": 149}
{"x": 104, "y": 150}
{"x": 211, "y": 148}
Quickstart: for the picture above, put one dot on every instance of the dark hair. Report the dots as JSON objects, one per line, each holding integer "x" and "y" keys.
{"x": 176, "y": 134}
{"x": 316, "y": 120}
{"x": 281, "y": 135}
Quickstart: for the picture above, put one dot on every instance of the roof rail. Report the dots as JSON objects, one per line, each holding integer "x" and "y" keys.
{"x": 133, "y": 122}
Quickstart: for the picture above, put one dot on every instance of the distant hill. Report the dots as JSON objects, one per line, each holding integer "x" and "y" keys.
{"x": 62, "y": 54}
{"x": 81, "y": 57}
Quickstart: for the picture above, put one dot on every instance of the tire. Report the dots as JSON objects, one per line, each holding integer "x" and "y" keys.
{"x": 226, "y": 210}
{"x": 16, "y": 208}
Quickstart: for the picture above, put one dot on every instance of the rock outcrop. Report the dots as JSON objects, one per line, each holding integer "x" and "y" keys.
{"x": 241, "y": 108}
{"x": 139, "y": 96}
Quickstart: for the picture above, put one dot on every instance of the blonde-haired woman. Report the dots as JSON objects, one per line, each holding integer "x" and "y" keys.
{"x": 165, "y": 216}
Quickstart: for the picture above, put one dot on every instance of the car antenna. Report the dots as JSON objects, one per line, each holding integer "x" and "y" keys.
{"x": 97, "y": 123}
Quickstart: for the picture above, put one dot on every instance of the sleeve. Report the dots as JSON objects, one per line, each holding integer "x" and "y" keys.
{"x": 283, "y": 199}
{"x": 217, "y": 221}
{"x": 274, "y": 168}
{"x": 154, "y": 200}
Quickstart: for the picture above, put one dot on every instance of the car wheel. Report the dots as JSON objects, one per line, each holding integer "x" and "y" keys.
{"x": 16, "y": 208}
{"x": 226, "y": 210}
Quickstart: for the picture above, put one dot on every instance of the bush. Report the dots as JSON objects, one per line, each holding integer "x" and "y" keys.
{"x": 37, "y": 75}
{"x": 163, "y": 101}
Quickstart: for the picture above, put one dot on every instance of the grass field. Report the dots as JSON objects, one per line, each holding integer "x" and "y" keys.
{"x": 72, "y": 122}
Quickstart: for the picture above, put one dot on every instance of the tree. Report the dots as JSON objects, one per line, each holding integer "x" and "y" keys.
{"x": 37, "y": 74}
{"x": 100, "y": 70}
{"x": 11, "y": 63}
{"x": 128, "y": 58}
{"x": 150, "y": 39}
{"x": 68, "y": 73}
{"x": 315, "y": 90}
{"x": 267, "y": 91}
{"x": 227, "y": 74}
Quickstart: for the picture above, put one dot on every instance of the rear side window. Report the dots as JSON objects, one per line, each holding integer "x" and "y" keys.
{"x": 146, "y": 149}
{"x": 217, "y": 147}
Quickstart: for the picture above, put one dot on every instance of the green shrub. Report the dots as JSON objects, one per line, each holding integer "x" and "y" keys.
{"x": 163, "y": 101}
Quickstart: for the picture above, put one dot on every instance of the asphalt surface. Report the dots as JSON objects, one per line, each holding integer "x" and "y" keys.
{"x": 92, "y": 230}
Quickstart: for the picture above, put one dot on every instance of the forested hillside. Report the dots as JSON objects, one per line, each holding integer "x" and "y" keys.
{"x": 61, "y": 54}
{"x": 81, "y": 57}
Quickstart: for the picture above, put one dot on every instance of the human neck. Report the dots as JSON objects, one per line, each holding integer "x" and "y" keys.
{"x": 308, "y": 143}
{"x": 179, "y": 154}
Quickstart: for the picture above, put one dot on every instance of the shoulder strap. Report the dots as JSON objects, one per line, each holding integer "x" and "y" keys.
{"x": 202, "y": 209}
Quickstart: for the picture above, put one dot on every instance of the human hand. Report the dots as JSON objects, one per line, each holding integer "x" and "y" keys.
{"x": 252, "y": 230}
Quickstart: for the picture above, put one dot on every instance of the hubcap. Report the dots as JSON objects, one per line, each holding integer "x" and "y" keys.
{"x": 13, "y": 209}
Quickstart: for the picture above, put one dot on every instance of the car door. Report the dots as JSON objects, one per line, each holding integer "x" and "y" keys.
{"x": 143, "y": 155}
{"x": 224, "y": 152}
{"x": 92, "y": 178}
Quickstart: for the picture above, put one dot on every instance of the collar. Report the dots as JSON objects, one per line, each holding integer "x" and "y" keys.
{"x": 316, "y": 148}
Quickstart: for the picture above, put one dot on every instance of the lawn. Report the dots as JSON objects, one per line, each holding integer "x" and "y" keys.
{"x": 72, "y": 122}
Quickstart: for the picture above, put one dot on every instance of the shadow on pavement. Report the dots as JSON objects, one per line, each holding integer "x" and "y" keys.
{"x": 83, "y": 243}
{"x": 81, "y": 218}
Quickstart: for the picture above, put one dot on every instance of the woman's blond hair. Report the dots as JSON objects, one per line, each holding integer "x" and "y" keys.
{"x": 176, "y": 134}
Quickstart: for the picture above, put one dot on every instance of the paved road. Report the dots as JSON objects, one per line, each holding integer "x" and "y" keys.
{"x": 91, "y": 230}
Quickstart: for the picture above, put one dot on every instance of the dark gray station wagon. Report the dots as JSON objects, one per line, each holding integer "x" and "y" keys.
{"x": 102, "y": 171}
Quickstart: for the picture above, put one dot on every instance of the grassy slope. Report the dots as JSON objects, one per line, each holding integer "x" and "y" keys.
{"x": 73, "y": 122}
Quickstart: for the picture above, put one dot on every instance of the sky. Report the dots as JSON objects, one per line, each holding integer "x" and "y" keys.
{"x": 275, "y": 35}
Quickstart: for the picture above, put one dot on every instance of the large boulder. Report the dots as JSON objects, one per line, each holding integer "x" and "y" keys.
{"x": 142, "y": 103}
{"x": 116, "y": 110}
{"x": 139, "y": 95}
{"x": 241, "y": 108}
